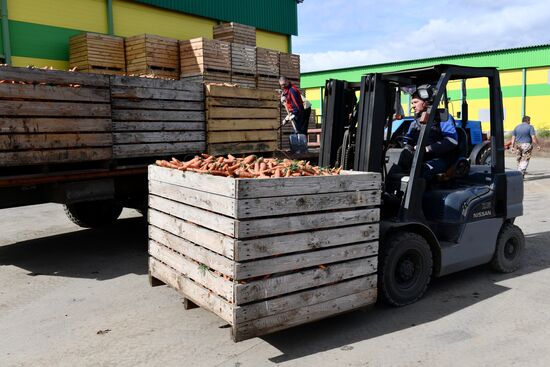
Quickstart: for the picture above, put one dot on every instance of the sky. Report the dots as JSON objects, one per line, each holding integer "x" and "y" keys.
{"x": 343, "y": 33}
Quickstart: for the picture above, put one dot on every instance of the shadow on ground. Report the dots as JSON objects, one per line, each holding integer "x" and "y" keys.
{"x": 101, "y": 254}
{"x": 445, "y": 296}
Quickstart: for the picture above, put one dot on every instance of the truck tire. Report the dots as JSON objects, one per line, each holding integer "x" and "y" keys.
{"x": 509, "y": 249}
{"x": 405, "y": 268}
{"x": 93, "y": 214}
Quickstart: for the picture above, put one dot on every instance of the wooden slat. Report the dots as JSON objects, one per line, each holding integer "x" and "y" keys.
{"x": 192, "y": 290}
{"x": 153, "y": 93}
{"x": 304, "y": 260}
{"x": 194, "y": 215}
{"x": 304, "y": 222}
{"x": 157, "y": 149}
{"x": 249, "y": 103}
{"x": 157, "y": 137}
{"x": 129, "y": 81}
{"x": 146, "y": 104}
{"x": 52, "y": 77}
{"x": 200, "y": 199}
{"x": 148, "y": 115}
{"x": 191, "y": 269}
{"x": 54, "y": 156}
{"x": 46, "y": 109}
{"x": 231, "y": 92}
{"x": 284, "y": 205}
{"x": 45, "y": 92}
{"x": 206, "y": 183}
{"x": 303, "y": 315}
{"x": 157, "y": 126}
{"x": 206, "y": 238}
{"x": 276, "y": 286}
{"x": 305, "y": 241}
{"x": 241, "y": 148}
{"x": 52, "y": 125}
{"x": 14, "y": 142}
{"x": 192, "y": 251}
{"x": 243, "y": 124}
{"x": 298, "y": 300}
{"x": 249, "y": 188}
{"x": 245, "y": 113}
{"x": 238, "y": 136}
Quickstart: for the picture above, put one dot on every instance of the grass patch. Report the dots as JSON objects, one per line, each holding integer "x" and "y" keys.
{"x": 543, "y": 133}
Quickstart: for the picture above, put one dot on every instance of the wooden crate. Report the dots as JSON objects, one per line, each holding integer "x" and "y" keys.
{"x": 268, "y": 82}
{"x": 97, "y": 53}
{"x": 157, "y": 118}
{"x": 289, "y": 65}
{"x": 49, "y": 120}
{"x": 200, "y": 55}
{"x": 235, "y": 33}
{"x": 243, "y": 80}
{"x": 210, "y": 77}
{"x": 243, "y": 59}
{"x": 149, "y": 54}
{"x": 241, "y": 120}
{"x": 269, "y": 254}
{"x": 267, "y": 62}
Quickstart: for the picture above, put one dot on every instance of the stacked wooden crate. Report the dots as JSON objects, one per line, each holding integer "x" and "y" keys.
{"x": 267, "y": 68}
{"x": 97, "y": 53}
{"x": 241, "y": 120}
{"x": 205, "y": 60}
{"x": 52, "y": 116}
{"x": 148, "y": 54}
{"x": 157, "y": 118}
{"x": 235, "y": 33}
{"x": 243, "y": 65}
{"x": 268, "y": 254}
{"x": 289, "y": 66}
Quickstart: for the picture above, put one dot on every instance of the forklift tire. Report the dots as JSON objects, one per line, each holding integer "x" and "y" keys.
{"x": 509, "y": 249}
{"x": 405, "y": 268}
{"x": 485, "y": 156}
{"x": 93, "y": 214}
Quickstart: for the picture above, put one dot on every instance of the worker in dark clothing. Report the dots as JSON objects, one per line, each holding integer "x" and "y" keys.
{"x": 292, "y": 100}
{"x": 442, "y": 146}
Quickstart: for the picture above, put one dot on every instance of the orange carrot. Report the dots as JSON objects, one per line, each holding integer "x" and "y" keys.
{"x": 249, "y": 159}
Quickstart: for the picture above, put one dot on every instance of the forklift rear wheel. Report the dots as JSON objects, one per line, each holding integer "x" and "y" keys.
{"x": 509, "y": 249}
{"x": 93, "y": 214}
{"x": 406, "y": 268}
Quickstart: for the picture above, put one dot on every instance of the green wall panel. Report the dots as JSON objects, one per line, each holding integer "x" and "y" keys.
{"x": 40, "y": 41}
{"x": 279, "y": 16}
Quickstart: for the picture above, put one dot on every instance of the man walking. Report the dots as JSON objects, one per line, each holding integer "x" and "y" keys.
{"x": 523, "y": 137}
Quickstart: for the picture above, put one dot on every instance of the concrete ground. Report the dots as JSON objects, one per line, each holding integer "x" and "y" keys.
{"x": 78, "y": 297}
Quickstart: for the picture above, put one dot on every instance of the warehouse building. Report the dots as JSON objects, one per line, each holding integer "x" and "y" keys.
{"x": 36, "y": 32}
{"x": 524, "y": 76}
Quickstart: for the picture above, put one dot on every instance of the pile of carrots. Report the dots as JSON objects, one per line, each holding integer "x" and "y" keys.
{"x": 248, "y": 167}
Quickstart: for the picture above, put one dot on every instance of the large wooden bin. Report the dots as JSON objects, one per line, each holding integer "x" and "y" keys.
{"x": 152, "y": 55}
{"x": 265, "y": 254}
{"x": 235, "y": 33}
{"x": 202, "y": 55}
{"x": 97, "y": 53}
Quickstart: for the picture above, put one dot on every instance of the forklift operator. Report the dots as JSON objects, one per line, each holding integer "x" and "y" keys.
{"x": 442, "y": 145}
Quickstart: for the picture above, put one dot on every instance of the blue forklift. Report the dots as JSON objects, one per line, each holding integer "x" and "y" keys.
{"x": 460, "y": 219}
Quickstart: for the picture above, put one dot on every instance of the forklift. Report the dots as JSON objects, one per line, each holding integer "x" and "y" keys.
{"x": 429, "y": 228}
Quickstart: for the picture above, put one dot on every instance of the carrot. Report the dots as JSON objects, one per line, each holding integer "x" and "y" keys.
{"x": 277, "y": 172}
{"x": 220, "y": 160}
{"x": 244, "y": 174}
{"x": 249, "y": 159}
{"x": 204, "y": 155}
{"x": 230, "y": 157}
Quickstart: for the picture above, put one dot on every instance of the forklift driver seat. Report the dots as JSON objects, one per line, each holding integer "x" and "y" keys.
{"x": 461, "y": 167}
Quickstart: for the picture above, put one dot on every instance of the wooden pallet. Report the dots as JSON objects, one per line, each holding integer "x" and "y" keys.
{"x": 267, "y": 62}
{"x": 200, "y": 55}
{"x": 48, "y": 120}
{"x": 269, "y": 254}
{"x": 235, "y": 33}
{"x": 149, "y": 54}
{"x": 97, "y": 53}
{"x": 243, "y": 59}
{"x": 289, "y": 65}
{"x": 157, "y": 118}
{"x": 243, "y": 80}
{"x": 241, "y": 120}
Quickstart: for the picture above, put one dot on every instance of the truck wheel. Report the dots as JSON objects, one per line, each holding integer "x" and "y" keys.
{"x": 93, "y": 214}
{"x": 509, "y": 249}
{"x": 405, "y": 268}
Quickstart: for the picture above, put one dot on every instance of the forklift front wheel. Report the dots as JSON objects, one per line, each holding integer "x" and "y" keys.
{"x": 405, "y": 271}
{"x": 509, "y": 249}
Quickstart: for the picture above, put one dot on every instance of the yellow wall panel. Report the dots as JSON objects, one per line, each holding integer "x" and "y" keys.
{"x": 512, "y": 106}
{"x": 87, "y": 15}
{"x": 25, "y": 61}
{"x": 537, "y": 75}
{"x": 511, "y": 77}
{"x": 537, "y": 108}
{"x": 477, "y": 83}
{"x": 313, "y": 94}
{"x": 274, "y": 41}
{"x": 131, "y": 19}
